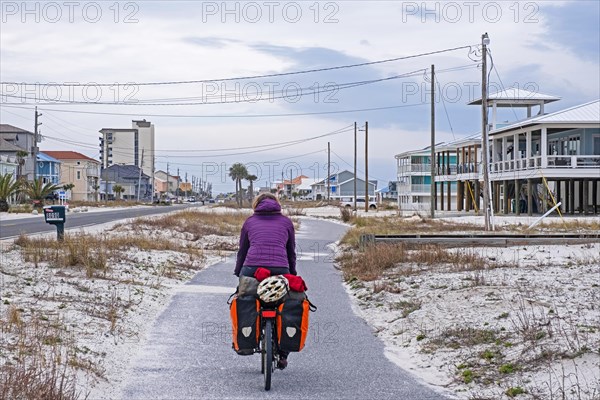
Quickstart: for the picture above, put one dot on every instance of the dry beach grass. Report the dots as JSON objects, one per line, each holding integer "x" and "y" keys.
{"x": 486, "y": 323}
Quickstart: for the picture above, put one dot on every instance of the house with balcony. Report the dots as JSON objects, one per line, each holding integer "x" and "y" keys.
{"x": 534, "y": 163}
{"x": 14, "y": 141}
{"x": 548, "y": 159}
{"x": 414, "y": 178}
{"x": 81, "y": 171}
{"x": 8, "y": 165}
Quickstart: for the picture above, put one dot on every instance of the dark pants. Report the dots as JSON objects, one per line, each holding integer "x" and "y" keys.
{"x": 249, "y": 271}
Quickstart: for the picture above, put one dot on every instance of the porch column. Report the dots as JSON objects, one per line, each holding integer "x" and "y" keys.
{"x": 506, "y": 199}
{"x": 558, "y": 194}
{"x": 544, "y": 147}
{"x": 449, "y": 195}
{"x": 442, "y": 196}
{"x": 517, "y": 197}
{"x": 586, "y": 188}
{"x": 572, "y": 195}
{"x": 466, "y": 195}
{"x": 459, "y": 196}
{"x": 527, "y": 147}
{"x": 477, "y": 192}
{"x": 580, "y": 208}
{"x": 497, "y": 196}
{"x": 595, "y": 195}
{"x": 435, "y": 195}
{"x": 529, "y": 197}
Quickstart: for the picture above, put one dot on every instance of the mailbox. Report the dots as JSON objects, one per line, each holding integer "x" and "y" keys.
{"x": 56, "y": 215}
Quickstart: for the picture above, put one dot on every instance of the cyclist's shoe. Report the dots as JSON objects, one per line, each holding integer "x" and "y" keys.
{"x": 282, "y": 363}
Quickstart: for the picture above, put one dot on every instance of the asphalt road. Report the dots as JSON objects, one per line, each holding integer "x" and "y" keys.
{"x": 35, "y": 224}
{"x": 188, "y": 355}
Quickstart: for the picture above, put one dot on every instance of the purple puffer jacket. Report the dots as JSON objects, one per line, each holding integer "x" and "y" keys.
{"x": 267, "y": 239}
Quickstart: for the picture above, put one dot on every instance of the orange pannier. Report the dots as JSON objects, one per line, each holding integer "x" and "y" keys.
{"x": 245, "y": 324}
{"x": 292, "y": 324}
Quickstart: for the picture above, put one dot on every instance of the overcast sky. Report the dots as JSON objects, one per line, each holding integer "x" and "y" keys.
{"x": 545, "y": 46}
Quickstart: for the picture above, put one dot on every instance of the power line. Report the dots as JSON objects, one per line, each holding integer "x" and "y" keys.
{"x": 259, "y": 76}
{"x": 282, "y": 95}
{"x": 137, "y": 115}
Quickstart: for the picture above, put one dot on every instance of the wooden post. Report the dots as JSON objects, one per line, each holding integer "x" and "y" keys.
{"x": 529, "y": 197}
{"x": 580, "y": 208}
{"x": 517, "y": 197}
{"x": 595, "y": 195}
{"x": 586, "y": 188}
{"x": 558, "y": 194}
{"x": 449, "y": 195}
{"x": 572, "y": 195}
{"x": 506, "y": 200}
{"x": 477, "y": 193}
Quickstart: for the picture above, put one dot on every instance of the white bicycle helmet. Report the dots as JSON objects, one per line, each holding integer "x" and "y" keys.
{"x": 273, "y": 288}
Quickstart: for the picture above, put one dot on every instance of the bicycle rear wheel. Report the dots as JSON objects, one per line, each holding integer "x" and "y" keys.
{"x": 268, "y": 353}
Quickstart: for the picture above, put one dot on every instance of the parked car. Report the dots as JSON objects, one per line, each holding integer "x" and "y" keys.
{"x": 360, "y": 203}
{"x": 191, "y": 200}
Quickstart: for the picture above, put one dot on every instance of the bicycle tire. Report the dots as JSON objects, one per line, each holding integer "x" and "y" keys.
{"x": 263, "y": 356}
{"x": 268, "y": 338}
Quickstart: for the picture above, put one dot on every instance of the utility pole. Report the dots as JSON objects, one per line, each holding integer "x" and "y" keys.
{"x": 432, "y": 186}
{"x": 484, "y": 134}
{"x": 168, "y": 186}
{"x": 355, "y": 166}
{"x": 186, "y": 186}
{"x": 36, "y": 140}
{"x": 140, "y": 177}
{"x": 366, "y": 166}
{"x": 153, "y": 180}
{"x": 291, "y": 184}
{"x": 328, "y": 171}
{"x": 177, "y": 187}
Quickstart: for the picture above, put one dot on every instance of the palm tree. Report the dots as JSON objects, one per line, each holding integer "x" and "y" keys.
{"x": 69, "y": 186}
{"x": 118, "y": 189}
{"x": 21, "y": 155}
{"x": 38, "y": 191}
{"x": 237, "y": 172}
{"x": 96, "y": 187}
{"x": 8, "y": 187}
{"x": 251, "y": 179}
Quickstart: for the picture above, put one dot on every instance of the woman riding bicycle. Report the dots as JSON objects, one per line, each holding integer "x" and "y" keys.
{"x": 267, "y": 240}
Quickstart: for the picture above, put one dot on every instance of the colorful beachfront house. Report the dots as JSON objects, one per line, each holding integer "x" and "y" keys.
{"x": 534, "y": 163}
{"x": 48, "y": 169}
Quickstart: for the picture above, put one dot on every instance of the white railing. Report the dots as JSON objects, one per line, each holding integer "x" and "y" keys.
{"x": 554, "y": 161}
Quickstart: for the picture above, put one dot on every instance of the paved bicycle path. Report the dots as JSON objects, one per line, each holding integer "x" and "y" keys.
{"x": 188, "y": 351}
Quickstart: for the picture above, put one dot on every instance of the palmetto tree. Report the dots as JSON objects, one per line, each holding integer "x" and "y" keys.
{"x": 68, "y": 186}
{"x": 118, "y": 189}
{"x": 38, "y": 191}
{"x": 238, "y": 172}
{"x": 251, "y": 179}
{"x": 8, "y": 187}
{"x": 21, "y": 155}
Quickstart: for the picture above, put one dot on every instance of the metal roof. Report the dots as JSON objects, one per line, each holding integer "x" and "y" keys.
{"x": 45, "y": 157}
{"x": 8, "y": 146}
{"x": 512, "y": 97}
{"x": 6, "y": 128}
{"x": 588, "y": 113}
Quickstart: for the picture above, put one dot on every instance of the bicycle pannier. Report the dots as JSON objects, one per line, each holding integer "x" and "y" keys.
{"x": 292, "y": 324}
{"x": 245, "y": 323}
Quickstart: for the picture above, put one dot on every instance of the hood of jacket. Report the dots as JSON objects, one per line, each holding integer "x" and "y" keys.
{"x": 268, "y": 206}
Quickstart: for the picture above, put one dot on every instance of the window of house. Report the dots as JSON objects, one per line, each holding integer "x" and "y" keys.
{"x": 78, "y": 175}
